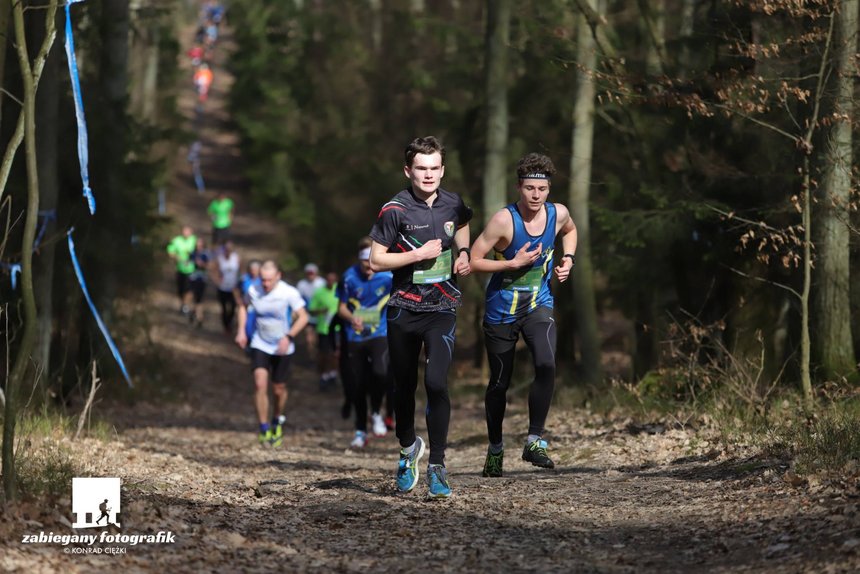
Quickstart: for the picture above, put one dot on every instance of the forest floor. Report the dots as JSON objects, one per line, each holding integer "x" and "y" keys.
{"x": 626, "y": 496}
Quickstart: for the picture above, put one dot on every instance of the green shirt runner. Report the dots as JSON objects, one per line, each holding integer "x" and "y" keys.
{"x": 220, "y": 211}
{"x": 324, "y": 299}
{"x": 182, "y": 248}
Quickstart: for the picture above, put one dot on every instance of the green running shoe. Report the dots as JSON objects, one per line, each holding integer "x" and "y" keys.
{"x": 535, "y": 453}
{"x": 493, "y": 464}
{"x": 277, "y": 438}
{"x": 265, "y": 438}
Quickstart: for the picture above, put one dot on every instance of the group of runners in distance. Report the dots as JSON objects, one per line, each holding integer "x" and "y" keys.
{"x": 371, "y": 323}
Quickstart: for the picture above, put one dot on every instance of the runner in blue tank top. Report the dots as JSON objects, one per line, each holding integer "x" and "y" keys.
{"x": 519, "y": 300}
{"x": 363, "y": 297}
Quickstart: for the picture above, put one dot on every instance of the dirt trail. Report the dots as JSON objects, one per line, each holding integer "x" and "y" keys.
{"x": 624, "y": 498}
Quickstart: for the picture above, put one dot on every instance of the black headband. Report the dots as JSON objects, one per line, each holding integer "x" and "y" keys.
{"x": 535, "y": 176}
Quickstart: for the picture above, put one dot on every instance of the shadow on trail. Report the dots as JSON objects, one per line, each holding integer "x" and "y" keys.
{"x": 701, "y": 468}
{"x": 360, "y": 533}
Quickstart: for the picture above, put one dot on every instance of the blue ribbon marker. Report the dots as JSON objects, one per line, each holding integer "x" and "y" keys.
{"x": 83, "y": 154}
{"x": 14, "y": 270}
{"x": 48, "y": 215}
{"x": 98, "y": 318}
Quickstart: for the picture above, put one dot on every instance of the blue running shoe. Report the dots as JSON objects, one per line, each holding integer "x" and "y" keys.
{"x": 437, "y": 479}
{"x": 407, "y": 468}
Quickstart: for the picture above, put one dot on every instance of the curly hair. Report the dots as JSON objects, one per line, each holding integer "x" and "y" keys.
{"x": 426, "y": 145}
{"x": 535, "y": 163}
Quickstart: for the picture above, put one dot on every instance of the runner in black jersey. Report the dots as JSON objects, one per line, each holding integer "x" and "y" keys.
{"x": 519, "y": 301}
{"x": 422, "y": 235}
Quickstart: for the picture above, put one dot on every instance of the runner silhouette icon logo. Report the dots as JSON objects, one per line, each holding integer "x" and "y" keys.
{"x": 95, "y": 502}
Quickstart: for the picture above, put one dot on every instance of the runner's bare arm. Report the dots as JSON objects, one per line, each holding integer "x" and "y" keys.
{"x": 498, "y": 234}
{"x": 241, "y": 319}
{"x": 301, "y": 319}
{"x": 568, "y": 241}
{"x": 347, "y": 315}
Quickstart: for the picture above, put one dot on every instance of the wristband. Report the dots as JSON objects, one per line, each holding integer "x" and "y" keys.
{"x": 572, "y": 258}
{"x": 468, "y": 252}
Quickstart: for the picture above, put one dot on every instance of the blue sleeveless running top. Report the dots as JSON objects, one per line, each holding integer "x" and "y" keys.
{"x": 514, "y": 294}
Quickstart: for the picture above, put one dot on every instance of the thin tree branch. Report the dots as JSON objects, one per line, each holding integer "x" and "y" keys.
{"x": 763, "y": 280}
{"x": 757, "y": 121}
{"x": 819, "y": 89}
{"x": 12, "y": 97}
{"x": 759, "y": 224}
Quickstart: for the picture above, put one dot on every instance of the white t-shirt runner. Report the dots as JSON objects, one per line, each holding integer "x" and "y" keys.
{"x": 273, "y": 313}
{"x": 229, "y": 268}
{"x": 307, "y": 290}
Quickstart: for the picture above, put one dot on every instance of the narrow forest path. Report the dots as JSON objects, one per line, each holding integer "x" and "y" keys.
{"x": 624, "y": 498}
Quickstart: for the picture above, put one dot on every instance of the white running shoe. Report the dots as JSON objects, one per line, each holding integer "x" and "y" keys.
{"x": 379, "y": 428}
{"x": 359, "y": 441}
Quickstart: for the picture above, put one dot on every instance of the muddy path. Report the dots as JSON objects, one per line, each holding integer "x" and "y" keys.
{"x": 623, "y": 498}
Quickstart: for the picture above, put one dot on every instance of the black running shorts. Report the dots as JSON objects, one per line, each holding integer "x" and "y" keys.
{"x": 277, "y": 365}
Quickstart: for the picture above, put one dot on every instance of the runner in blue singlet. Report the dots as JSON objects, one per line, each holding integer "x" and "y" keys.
{"x": 519, "y": 301}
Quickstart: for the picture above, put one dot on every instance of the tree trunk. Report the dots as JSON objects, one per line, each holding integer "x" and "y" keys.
{"x": 580, "y": 180}
{"x": 688, "y": 21}
{"x": 47, "y": 111}
{"x": 149, "y": 91}
{"x": 29, "y": 75}
{"x": 377, "y": 24}
{"x": 654, "y": 24}
{"x": 496, "y": 74}
{"x": 805, "y": 344}
{"x": 834, "y": 352}
{"x": 113, "y": 81}
{"x": 5, "y": 13}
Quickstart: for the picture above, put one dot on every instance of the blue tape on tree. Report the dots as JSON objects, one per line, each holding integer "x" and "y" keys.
{"x": 47, "y": 215}
{"x": 102, "y": 326}
{"x": 14, "y": 270}
{"x": 83, "y": 153}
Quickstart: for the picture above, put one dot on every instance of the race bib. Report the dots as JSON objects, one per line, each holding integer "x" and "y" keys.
{"x": 433, "y": 270}
{"x": 370, "y": 316}
{"x": 529, "y": 280}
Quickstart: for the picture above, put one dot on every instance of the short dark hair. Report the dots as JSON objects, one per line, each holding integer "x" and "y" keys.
{"x": 535, "y": 163}
{"x": 427, "y": 145}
